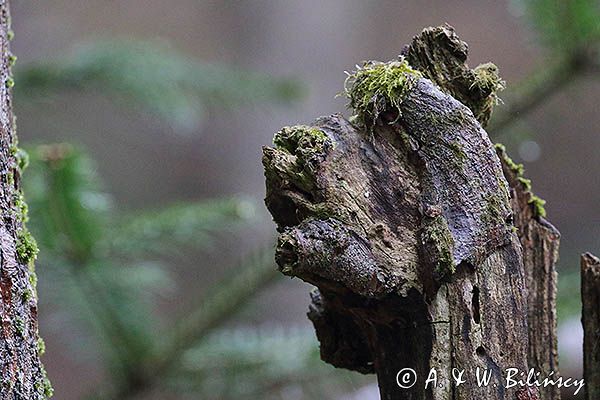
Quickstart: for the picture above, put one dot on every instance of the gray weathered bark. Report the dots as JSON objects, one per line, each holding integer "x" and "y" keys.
{"x": 23, "y": 375}
{"x": 403, "y": 219}
{"x": 590, "y": 296}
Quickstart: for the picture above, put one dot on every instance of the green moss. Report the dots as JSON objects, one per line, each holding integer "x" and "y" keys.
{"x": 22, "y": 158}
{"x": 307, "y": 144}
{"x": 32, "y": 277}
{"x": 518, "y": 169}
{"x": 22, "y": 210}
{"x": 436, "y": 236}
{"x": 536, "y": 202}
{"x": 493, "y": 214}
{"x": 10, "y": 178}
{"x": 41, "y": 346}
{"x": 459, "y": 154}
{"x": 526, "y": 182}
{"x": 27, "y": 249}
{"x": 27, "y": 295}
{"x": 12, "y": 60}
{"x": 10, "y": 82}
{"x": 300, "y": 138}
{"x": 487, "y": 79}
{"x": 11, "y": 34}
{"x": 20, "y": 325}
{"x": 48, "y": 389}
{"x": 538, "y": 205}
{"x": 44, "y": 387}
{"x": 377, "y": 87}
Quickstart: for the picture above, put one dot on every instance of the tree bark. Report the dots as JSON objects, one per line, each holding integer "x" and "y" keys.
{"x": 23, "y": 376}
{"x": 590, "y": 296}
{"x": 403, "y": 219}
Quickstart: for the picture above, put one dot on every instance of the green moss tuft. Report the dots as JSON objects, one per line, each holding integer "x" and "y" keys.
{"x": 305, "y": 142}
{"x": 538, "y": 205}
{"x": 27, "y": 295}
{"x": 525, "y": 182}
{"x": 44, "y": 387}
{"x": 10, "y": 82}
{"x": 298, "y": 138}
{"x": 32, "y": 277}
{"x": 518, "y": 169}
{"x": 48, "y": 389}
{"x": 22, "y": 210}
{"x": 41, "y": 346}
{"x": 536, "y": 202}
{"x": 487, "y": 79}
{"x": 20, "y": 325}
{"x": 27, "y": 249}
{"x": 22, "y": 158}
{"x": 377, "y": 87}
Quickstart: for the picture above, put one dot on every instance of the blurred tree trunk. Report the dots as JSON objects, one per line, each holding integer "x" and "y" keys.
{"x": 23, "y": 376}
{"x": 428, "y": 250}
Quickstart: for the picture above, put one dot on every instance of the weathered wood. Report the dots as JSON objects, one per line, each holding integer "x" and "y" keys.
{"x": 590, "y": 296}
{"x": 540, "y": 241}
{"x": 403, "y": 221}
{"x": 441, "y": 55}
{"x": 23, "y": 375}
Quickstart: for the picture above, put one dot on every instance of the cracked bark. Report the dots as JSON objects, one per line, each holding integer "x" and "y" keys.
{"x": 406, "y": 229}
{"x": 23, "y": 376}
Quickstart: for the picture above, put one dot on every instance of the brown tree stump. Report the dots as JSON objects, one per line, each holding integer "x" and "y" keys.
{"x": 403, "y": 218}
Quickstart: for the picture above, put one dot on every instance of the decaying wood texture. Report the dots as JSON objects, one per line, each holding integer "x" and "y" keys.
{"x": 539, "y": 241}
{"x": 404, "y": 220}
{"x": 23, "y": 375}
{"x": 590, "y": 296}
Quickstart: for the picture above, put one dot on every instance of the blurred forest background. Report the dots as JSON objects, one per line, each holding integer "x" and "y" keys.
{"x": 144, "y": 122}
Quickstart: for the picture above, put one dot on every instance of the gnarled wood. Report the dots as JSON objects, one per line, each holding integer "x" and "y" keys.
{"x": 441, "y": 55}
{"x": 403, "y": 219}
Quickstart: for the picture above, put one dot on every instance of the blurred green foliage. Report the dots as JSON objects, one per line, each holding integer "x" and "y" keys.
{"x": 103, "y": 268}
{"x": 564, "y": 25}
{"x": 151, "y": 74}
{"x": 106, "y": 266}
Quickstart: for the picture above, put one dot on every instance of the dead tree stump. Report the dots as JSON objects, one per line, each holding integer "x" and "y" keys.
{"x": 403, "y": 218}
{"x": 590, "y": 296}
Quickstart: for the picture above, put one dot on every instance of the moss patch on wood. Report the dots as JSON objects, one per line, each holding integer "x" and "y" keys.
{"x": 487, "y": 80}
{"x": 439, "y": 245}
{"x": 536, "y": 202}
{"x": 27, "y": 249}
{"x": 301, "y": 140}
{"x": 377, "y": 87}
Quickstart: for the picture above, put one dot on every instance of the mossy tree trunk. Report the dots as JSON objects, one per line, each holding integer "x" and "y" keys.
{"x": 428, "y": 249}
{"x": 23, "y": 376}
